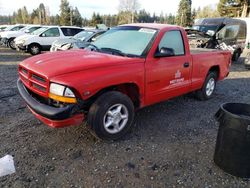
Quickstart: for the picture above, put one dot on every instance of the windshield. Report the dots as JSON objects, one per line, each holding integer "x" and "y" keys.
{"x": 125, "y": 40}
{"x": 9, "y": 28}
{"x": 83, "y": 35}
{"x": 206, "y": 28}
{"x": 25, "y": 28}
{"x": 39, "y": 31}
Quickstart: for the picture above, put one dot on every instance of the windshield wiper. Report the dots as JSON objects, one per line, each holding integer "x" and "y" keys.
{"x": 114, "y": 51}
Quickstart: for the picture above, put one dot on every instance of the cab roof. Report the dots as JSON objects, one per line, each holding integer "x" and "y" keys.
{"x": 153, "y": 25}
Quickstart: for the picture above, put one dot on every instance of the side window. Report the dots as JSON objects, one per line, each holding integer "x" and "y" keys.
{"x": 66, "y": 31}
{"x": 70, "y": 31}
{"x": 33, "y": 29}
{"x": 174, "y": 41}
{"x": 75, "y": 31}
{"x": 52, "y": 32}
{"x": 242, "y": 32}
{"x": 229, "y": 32}
{"x": 17, "y": 28}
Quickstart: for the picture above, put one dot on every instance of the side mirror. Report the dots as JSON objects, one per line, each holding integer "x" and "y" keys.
{"x": 42, "y": 35}
{"x": 27, "y": 31}
{"x": 93, "y": 39}
{"x": 165, "y": 52}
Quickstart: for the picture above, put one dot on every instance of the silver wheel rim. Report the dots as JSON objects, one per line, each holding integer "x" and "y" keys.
{"x": 12, "y": 44}
{"x": 116, "y": 118}
{"x": 210, "y": 86}
{"x": 35, "y": 50}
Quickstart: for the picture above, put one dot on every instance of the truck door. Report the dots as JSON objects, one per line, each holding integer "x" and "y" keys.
{"x": 168, "y": 72}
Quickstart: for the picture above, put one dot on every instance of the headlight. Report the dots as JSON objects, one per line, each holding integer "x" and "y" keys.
{"x": 61, "y": 93}
{"x": 66, "y": 46}
{"x": 20, "y": 41}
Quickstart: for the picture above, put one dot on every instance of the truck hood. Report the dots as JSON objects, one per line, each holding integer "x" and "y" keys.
{"x": 58, "y": 63}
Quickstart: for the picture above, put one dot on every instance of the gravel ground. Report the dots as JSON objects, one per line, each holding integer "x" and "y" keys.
{"x": 171, "y": 145}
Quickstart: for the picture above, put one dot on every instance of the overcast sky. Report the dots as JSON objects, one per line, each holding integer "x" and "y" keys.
{"x": 87, "y": 7}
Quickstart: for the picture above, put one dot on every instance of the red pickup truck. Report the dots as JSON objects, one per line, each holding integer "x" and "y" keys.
{"x": 127, "y": 68}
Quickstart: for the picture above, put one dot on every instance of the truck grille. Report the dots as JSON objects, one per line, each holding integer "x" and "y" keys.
{"x": 36, "y": 83}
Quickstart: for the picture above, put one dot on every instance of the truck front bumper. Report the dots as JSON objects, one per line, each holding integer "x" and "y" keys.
{"x": 52, "y": 116}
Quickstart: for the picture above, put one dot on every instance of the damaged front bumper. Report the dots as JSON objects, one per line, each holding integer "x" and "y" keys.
{"x": 52, "y": 116}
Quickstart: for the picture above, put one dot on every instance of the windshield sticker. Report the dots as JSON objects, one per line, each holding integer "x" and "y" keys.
{"x": 146, "y": 30}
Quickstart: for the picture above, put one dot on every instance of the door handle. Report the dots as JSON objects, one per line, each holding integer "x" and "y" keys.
{"x": 186, "y": 65}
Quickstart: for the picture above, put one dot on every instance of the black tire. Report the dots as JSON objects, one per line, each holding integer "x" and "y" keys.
{"x": 236, "y": 55}
{"x": 11, "y": 43}
{"x": 203, "y": 93}
{"x": 35, "y": 49}
{"x": 98, "y": 115}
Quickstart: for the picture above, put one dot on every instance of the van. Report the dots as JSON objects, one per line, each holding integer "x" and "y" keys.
{"x": 228, "y": 32}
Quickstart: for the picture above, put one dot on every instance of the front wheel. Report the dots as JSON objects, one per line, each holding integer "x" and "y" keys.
{"x": 111, "y": 115}
{"x": 11, "y": 43}
{"x": 34, "y": 49}
{"x": 208, "y": 87}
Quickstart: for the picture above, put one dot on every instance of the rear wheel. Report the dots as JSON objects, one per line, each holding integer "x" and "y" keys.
{"x": 208, "y": 87}
{"x": 236, "y": 55}
{"x": 11, "y": 43}
{"x": 34, "y": 49}
{"x": 111, "y": 116}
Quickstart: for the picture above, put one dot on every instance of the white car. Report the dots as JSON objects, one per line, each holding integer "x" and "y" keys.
{"x": 10, "y": 28}
{"x": 8, "y": 37}
{"x": 42, "y": 39}
{"x": 2, "y": 27}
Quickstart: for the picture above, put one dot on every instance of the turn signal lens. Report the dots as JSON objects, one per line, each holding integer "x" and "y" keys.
{"x": 62, "y": 99}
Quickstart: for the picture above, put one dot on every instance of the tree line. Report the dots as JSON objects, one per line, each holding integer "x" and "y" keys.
{"x": 128, "y": 12}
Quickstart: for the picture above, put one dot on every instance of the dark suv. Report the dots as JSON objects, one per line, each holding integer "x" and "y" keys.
{"x": 228, "y": 33}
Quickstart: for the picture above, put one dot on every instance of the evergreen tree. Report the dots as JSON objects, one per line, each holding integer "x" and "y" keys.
{"x": 42, "y": 13}
{"x": 18, "y": 17}
{"x": 143, "y": 16}
{"x": 96, "y": 19}
{"x": 184, "y": 15}
{"x": 233, "y": 8}
{"x": 25, "y": 15}
{"x": 170, "y": 19}
{"x": 77, "y": 18}
{"x": 207, "y": 12}
{"x": 65, "y": 13}
{"x": 55, "y": 20}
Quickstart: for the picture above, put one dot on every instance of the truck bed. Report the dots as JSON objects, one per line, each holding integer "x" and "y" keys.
{"x": 202, "y": 50}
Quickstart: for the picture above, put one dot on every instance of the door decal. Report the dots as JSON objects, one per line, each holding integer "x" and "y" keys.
{"x": 178, "y": 78}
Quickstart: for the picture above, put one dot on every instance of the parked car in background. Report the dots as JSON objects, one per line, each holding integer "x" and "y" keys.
{"x": 10, "y": 28}
{"x": 8, "y": 37}
{"x": 225, "y": 33}
{"x": 79, "y": 41}
{"x": 2, "y": 27}
{"x": 42, "y": 39}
